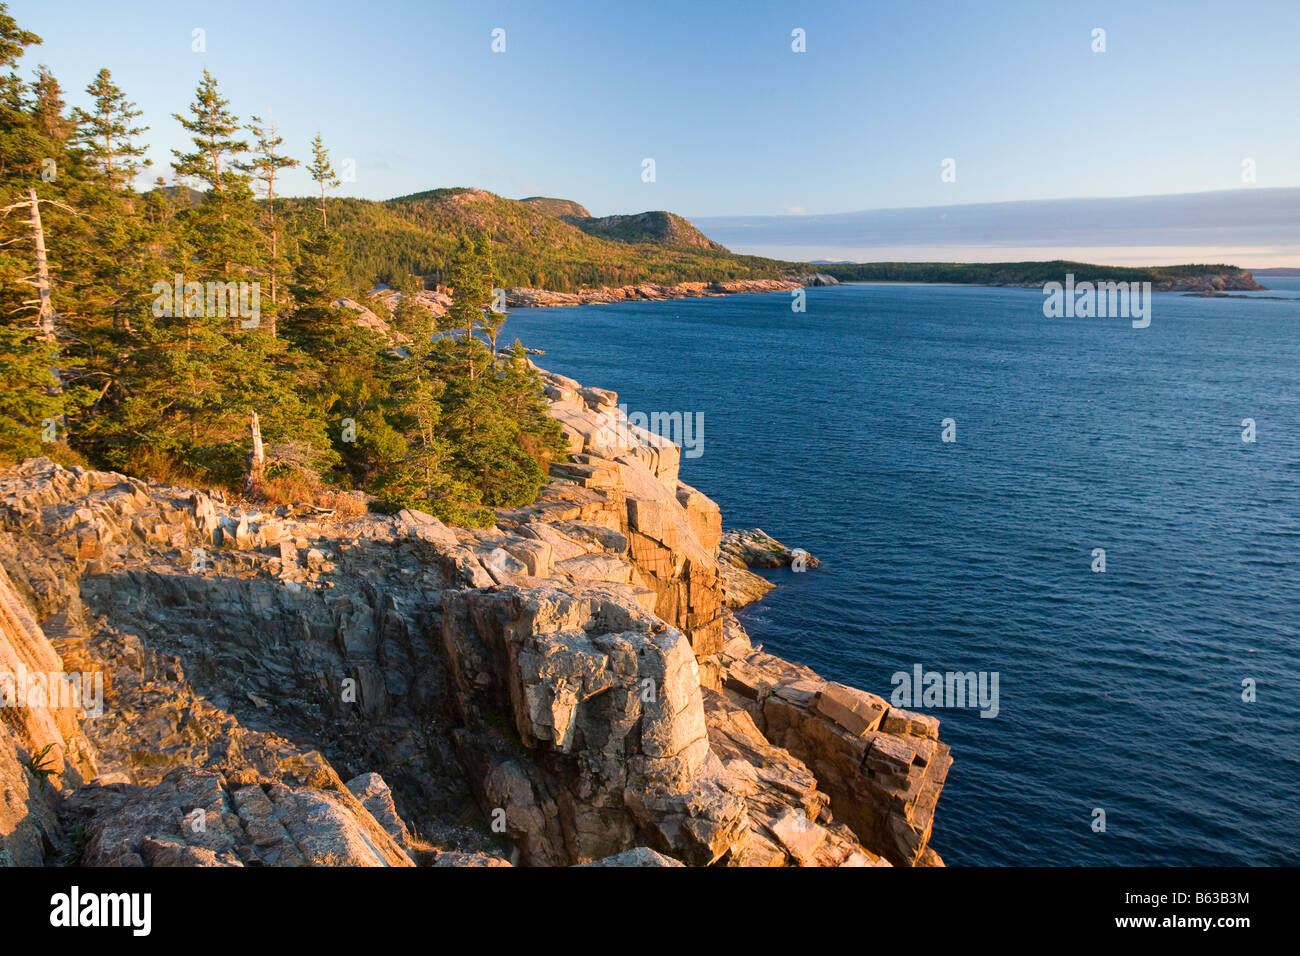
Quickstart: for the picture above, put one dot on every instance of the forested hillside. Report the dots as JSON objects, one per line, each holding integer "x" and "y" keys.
{"x": 416, "y": 234}
{"x": 191, "y": 336}
{"x": 1020, "y": 273}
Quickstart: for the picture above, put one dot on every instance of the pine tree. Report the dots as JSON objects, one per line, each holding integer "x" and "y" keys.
{"x": 32, "y": 400}
{"x": 491, "y": 320}
{"x": 341, "y": 366}
{"x": 106, "y": 134}
{"x": 226, "y": 243}
{"x": 33, "y": 126}
{"x": 265, "y": 165}
{"x": 523, "y": 400}
{"x": 323, "y": 173}
{"x": 49, "y": 108}
{"x": 501, "y": 439}
{"x": 419, "y": 474}
{"x": 30, "y": 407}
{"x": 471, "y": 293}
{"x": 197, "y": 376}
{"x": 211, "y": 125}
{"x": 22, "y": 146}
{"x": 150, "y": 382}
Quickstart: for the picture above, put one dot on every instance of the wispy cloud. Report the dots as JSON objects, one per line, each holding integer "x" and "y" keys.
{"x": 1243, "y": 226}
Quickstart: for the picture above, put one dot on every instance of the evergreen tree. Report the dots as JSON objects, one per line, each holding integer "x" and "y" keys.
{"x": 34, "y": 398}
{"x": 322, "y": 172}
{"x": 111, "y": 249}
{"x": 23, "y": 147}
{"x": 30, "y": 406}
{"x": 155, "y": 383}
{"x": 491, "y": 320}
{"x": 226, "y": 244}
{"x": 471, "y": 293}
{"x": 106, "y": 134}
{"x": 502, "y": 443}
{"x": 339, "y": 366}
{"x": 48, "y": 108}
{"x": 420, "y": 474}
{"x": 197, "y": 375}
{"x": 265, "y": 165}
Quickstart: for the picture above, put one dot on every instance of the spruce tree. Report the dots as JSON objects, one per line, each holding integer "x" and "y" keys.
{"x": 322, "y": 172}
{"x": 339, "y": 370}
{"x": 420, "y": 473}
{"x": 106, "y": 134}
{"x": 226, "y": 244}
{"x": 150, "y": 382}
{"x": 264, "y": 166}
{"x": 34, "y": 238}
{"x": 471, "y": 294}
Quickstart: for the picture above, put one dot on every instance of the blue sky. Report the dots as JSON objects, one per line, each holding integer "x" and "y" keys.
{"x": 736, "y": 122}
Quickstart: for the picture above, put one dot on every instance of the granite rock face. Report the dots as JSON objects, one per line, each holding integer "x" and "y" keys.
{"x": 620, "y": 497}
{"x": 641, "y": 856}
{"x": 148, "y": 775}
{"x": 607, "y": 744}
{"x": 204, "y": 818}
{"x": 567, "y": 687}
{"x": 739, "y": 551}
{"x": 758, "y": 549}
{"x": 42, "y": 749}
{"x": 882, "y": 767}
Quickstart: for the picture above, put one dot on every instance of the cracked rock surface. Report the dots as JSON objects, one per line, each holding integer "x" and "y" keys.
{"x": 567, "y": 687}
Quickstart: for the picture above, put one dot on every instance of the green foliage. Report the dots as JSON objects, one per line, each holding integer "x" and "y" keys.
{"x": 264, "y": 166}
{"x": 660, "y": 227}
{"x": 143, "y": 373}
{"x": 419, "y": 235}
{"x": 106, "y": 135}
{"x": 470, "y": 434}
{"x": 28, "y": 407}
{"x": 1008, "y": 273}
{"x": 322, "y": 173}
{"x": 38, "y": 764}
{"x": 78, "y": 841}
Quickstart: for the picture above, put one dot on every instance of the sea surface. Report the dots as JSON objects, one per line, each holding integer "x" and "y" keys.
{"x": 1119, "y": 690}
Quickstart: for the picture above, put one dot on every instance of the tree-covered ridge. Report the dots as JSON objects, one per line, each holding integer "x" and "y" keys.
{"x": 1016, "y": 273}
{"x": 190, "y": 334}
{"x": 557, "y": 207}
{"x": 415, "y": 235}
{"x": 664, "y": 228}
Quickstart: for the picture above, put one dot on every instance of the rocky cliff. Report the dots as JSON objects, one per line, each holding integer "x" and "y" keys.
{"x": 568, "y": 687}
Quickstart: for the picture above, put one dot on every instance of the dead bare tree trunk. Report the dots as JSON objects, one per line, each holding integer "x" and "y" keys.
{"x": 46, "y": 330}
{"x": 45, "y": 307}
{"x": 256, "y": 469}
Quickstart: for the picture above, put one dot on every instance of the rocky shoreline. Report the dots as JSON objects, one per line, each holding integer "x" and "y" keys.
{"x": 523, "y": 298}
{"x": 569, "y": 687}
{"x": 438, "y": 301}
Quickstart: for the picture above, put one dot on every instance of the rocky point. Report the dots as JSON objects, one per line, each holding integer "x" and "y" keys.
{"x": 569, "y": 687}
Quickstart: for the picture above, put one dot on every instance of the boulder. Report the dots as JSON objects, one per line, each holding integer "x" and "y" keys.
{"x": 606, "y": 738}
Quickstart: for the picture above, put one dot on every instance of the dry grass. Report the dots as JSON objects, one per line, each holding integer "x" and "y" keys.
{"x": 344, "y": 504}
{"x": 297, "y": 490}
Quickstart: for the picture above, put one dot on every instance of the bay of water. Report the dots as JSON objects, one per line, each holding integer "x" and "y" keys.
{"x": 1120, "y": 691}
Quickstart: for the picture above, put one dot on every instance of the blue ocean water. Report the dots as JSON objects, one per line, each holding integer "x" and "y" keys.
{"x": 1120, "y": 690}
